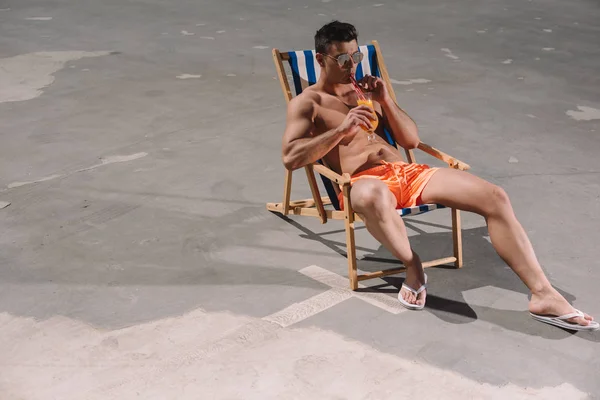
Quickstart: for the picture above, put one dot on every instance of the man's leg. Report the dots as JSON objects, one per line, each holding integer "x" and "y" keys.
{"x": 376, "y": 205}
{"x": 467, "y": 192}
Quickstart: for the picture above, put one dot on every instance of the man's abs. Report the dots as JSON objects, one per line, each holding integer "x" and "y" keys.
{"x": 361, "y": 155}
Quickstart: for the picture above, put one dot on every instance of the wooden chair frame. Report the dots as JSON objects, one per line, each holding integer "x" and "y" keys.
{"x": 314, "y": 207}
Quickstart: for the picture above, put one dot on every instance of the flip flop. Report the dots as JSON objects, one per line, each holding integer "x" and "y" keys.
{"x": 563, "y": 323}
{"x": 415, "y": 292}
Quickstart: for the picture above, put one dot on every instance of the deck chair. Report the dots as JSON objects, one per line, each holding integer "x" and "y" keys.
{"x": 304, "y": 72}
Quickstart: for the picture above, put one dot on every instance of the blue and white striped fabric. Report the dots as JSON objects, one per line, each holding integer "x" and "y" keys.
{"x": 306, "y": 70}
{"x": 416, "y": 210}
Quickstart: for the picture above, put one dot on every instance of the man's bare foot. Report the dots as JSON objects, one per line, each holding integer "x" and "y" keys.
{"x": 415, "y": 278}
{"x": 552, "y": 303}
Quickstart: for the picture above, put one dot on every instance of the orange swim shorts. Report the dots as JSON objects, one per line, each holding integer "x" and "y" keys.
{"x": 406, "y": 181}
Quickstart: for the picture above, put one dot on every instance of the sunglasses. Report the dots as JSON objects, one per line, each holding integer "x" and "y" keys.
{"x": 343, "y": 59}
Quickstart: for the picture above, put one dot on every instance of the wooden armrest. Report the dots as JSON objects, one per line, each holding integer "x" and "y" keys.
{"x": 323, "y": 170}
{"x": 451, "y": 161}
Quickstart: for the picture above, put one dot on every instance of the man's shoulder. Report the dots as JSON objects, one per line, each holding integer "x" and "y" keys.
{"x": 308, "y": 96}
{"x": 305, "y": 101}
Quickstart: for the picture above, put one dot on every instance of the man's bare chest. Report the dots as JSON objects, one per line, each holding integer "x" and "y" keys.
{"x": 330, "y": 115}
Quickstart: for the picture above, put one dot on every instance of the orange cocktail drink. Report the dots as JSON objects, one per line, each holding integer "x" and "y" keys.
{"x": 367, "y": 101}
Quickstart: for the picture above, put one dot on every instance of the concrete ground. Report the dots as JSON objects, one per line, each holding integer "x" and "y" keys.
{"x": 139, "y": 143}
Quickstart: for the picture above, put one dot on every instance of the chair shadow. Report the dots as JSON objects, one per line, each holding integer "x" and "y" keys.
{"x": 483, "y": 267}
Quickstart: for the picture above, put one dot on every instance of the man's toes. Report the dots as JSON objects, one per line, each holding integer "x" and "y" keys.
{"x": 421, "y": 300}
{"x": 413, "y": 299}
{"x": 406, "y": 296}
{"x": 588, "y": 317}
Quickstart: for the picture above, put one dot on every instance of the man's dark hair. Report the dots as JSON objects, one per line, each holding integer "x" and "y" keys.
{"x": 335, "y": 31}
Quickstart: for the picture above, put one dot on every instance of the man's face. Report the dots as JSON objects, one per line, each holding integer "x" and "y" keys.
{"x": 331, "y": 61}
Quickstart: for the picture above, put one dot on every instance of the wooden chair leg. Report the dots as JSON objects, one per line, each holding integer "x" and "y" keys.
{"x": 351, "y": 251}
{"x": 350, "y": 244}
{"x": 457, "y": 238}
{"x": 312, "y": 182}
{"x": 287, "y": 190}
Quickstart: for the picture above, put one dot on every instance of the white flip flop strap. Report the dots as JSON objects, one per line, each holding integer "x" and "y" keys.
{"x": 565, "y": 317}
{"x": 413, "y": 291}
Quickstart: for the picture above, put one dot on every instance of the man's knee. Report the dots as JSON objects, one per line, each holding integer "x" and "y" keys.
{"x": 372, "y": 197}
{"x": 498, "y": 201}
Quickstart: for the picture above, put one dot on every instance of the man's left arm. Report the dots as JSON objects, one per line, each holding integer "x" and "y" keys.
{"x": 403, "y": 128}
{"x": 400, "y": 124}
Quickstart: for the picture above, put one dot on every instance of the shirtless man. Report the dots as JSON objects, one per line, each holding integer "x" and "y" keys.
{"x": 325, "y": 122}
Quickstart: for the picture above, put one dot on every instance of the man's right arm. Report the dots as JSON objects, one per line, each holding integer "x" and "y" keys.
{"x": 300, "y": 147}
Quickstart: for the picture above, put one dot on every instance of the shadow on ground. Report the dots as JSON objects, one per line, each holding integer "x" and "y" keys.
{"x": 482, "y": 267}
